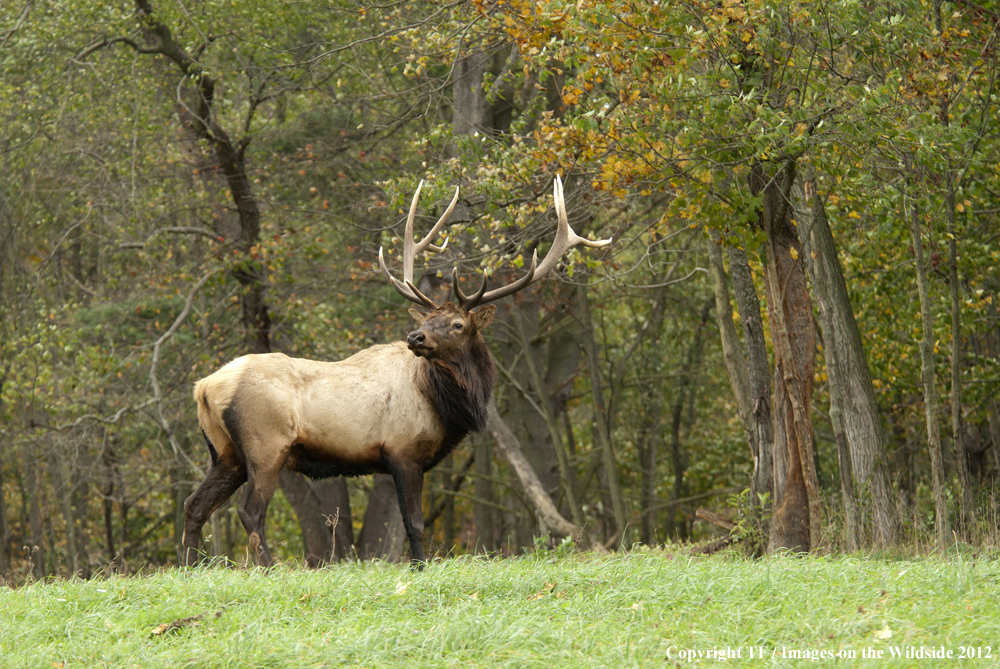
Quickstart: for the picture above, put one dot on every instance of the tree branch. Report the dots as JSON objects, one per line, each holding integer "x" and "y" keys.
{"x": 182, "y": 229}
{"x": 157, "y": 396}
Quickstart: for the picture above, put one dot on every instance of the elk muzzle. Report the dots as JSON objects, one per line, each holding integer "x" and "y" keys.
{"x": 418, "y": 342}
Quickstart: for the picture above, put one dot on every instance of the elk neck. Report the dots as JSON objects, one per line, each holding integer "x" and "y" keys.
{"x": 460, "y": 387}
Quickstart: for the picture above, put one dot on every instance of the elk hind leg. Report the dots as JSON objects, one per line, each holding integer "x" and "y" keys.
{"x": 261, "y": 484}
{"x": 222, "y": 480}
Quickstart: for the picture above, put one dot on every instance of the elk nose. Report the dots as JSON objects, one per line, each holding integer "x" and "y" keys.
{"x": 415, "y": 339}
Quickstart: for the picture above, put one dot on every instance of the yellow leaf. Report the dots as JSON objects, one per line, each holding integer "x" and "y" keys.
{"x": 794, "y": 253}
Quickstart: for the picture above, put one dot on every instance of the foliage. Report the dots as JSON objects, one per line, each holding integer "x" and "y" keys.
{"x": 111, "y": 210}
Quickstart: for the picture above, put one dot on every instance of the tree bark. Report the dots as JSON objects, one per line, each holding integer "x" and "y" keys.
{"x": 942, "y": 522}
{"x": 764, "y": 483}
{"x": 64, "y": 493}
{"x": 602, "y": 433}
{"x": 648, "y": 447}
{"x": 35, "y": 544}
{"x": 797, "y": 521}
{"x": 4, "y": 530}
{"x": 230, "y": 156}
{"x": 540, "y": 500}
{"x": 542, "y": 503}
{"x": 483, "y": 488}
{"x": 383, "y": 535}
{"x": 566, "y": 476}
{"x": 968, "y": 514}
{"x": 821, "y": 285}
{"x": 732, "y": 348}
{"x": 325, "y": 520}
{"x": 855, "y": 413}
{"x": 471, "y": 111}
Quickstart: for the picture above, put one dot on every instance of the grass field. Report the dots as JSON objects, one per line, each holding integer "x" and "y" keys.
{"x": 547, "y": 610}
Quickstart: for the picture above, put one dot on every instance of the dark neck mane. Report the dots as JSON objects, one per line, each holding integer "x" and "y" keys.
{"x": 460, "y": 389}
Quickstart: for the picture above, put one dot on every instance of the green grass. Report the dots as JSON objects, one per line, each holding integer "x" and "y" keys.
{"x": 546, "y": 610}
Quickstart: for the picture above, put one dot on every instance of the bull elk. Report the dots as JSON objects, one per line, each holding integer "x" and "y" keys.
{"x": 393, "y": 408}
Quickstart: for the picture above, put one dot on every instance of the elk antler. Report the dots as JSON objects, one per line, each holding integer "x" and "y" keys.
{"x": 406, "y": 287}
{"x": 565, "y": 240}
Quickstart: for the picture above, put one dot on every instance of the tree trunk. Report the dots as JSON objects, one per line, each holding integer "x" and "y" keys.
{"x": 968, "y": 514}
{"x": 942, "y": 522}
{"x": 567, "y": 478}
{"x": 448, "y": 512}
{"x": 764, "y": 483}
{"x": 797, "y": 521}
{"x": 542, "y": 503}
{"x": 64, "y": 493}
{"x": 483, "y": 488}
{"x": 555, "y": 352}
{"x": 648, "y": 447}
{"x": 4, "y": 530}
{"x": 684, "y": 394}
{"x": 472, "y": 112}
{"x": 334, "y": 502}
{"x": 325, "y": 518}
{"x": 199, "y": 118}
{"x": 35, "y": 544}
{"x": 732, "y": 348}
{"x": 182, "y": 490}
{"x": 383, "y": 535}
{"x": 540, "y": 500}
{"x": 857, "y": 414}
{"x": 602, "y": 433}
{"x": 821, "y": 286}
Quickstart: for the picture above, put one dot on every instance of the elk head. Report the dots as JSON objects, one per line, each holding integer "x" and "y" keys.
{"x": 449, "y": 326}
{"x": 446, "y": 329}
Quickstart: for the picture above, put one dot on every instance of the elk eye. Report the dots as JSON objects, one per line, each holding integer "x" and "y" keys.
{"x": 458, "y": 326}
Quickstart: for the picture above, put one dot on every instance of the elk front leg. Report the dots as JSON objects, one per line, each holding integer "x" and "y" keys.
{"x": 221, "y": 481}
{"x": 409, "y": 479}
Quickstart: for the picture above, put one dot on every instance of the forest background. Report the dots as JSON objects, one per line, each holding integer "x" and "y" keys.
{"x": 797, "y": 323}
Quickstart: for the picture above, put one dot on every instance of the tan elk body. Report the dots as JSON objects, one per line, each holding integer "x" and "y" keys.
{"x": 354, "y": 407}
{"x": 394, "y": 408}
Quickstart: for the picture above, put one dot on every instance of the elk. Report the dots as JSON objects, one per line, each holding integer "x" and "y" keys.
{"x": 393, "y": 408}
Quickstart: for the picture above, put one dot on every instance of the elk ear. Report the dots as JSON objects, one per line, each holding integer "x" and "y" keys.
{"x": 483, "y": 317}
{"x": 418, "y": 316}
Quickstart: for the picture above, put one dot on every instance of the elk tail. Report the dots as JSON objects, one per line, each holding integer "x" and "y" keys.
{"x": 211, "y": 449}
{"x": 208, "y": 422}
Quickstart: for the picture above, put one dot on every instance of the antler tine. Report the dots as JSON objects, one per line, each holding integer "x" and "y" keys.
{"x": 464, "y": 301}
{"x": 411, "y": 249}
{"x": 426, "y": 241}
{"x": 565, "y": 240}
{"x": 428, "y": 302}
{"x": 503, "y": 291}
{"x": 406, "y": 289}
